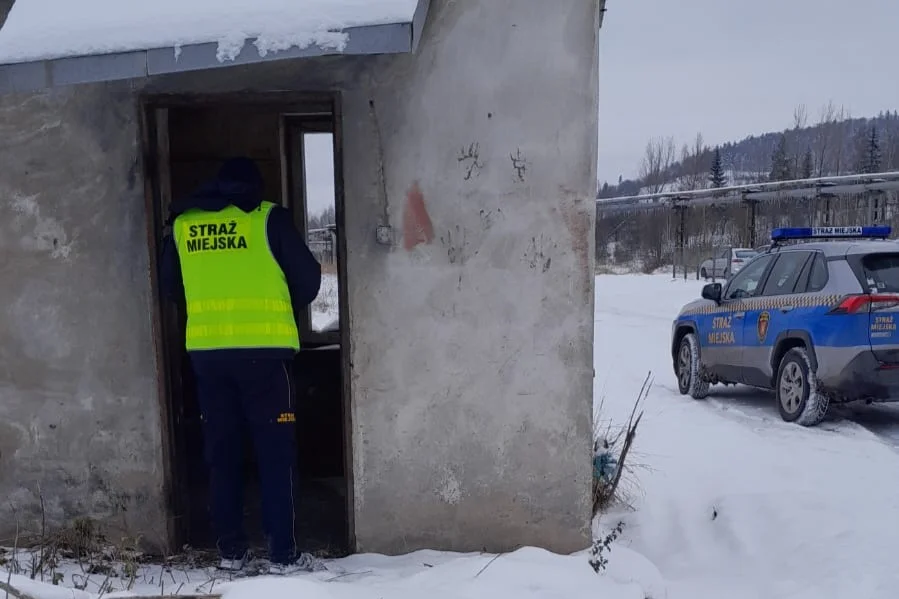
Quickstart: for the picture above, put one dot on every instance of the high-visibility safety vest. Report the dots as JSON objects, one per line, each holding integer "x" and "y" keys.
{"x": 237, "y": 294}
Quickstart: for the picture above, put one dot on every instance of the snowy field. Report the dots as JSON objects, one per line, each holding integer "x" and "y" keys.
{"x": 325, "y": 307}
{"x": 733, "y": 501}
{"x": 728, "y": 500}
{"x": 528, "y": 573}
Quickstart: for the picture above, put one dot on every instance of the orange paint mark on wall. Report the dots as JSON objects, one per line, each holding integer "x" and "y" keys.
{"x": 417, "y": 226}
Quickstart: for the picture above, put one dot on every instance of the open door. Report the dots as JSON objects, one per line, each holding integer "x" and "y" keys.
{"x": 312, "y": 193}
{"x": 172, "y": 362}
{"x": 185, "y": 141}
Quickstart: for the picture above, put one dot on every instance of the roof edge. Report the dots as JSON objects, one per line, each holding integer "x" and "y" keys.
{"x": 394, "y": 38}
{"x": 419, "y": 19}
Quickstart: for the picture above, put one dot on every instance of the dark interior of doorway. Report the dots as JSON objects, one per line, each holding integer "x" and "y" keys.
{"x": 188, "y": 143}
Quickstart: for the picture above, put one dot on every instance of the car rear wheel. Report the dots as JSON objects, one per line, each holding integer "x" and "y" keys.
{"x": 798, "y": 398}
{"x": 688, "y": 380}
{"x": 703, "y": 273}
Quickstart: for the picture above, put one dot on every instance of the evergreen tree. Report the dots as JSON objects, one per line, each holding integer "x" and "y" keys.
{"x": 807, "y": 165}
{"x": 781, "y": 169}
{"x": 717, "y": 177}
{"x": 870, "y": 162}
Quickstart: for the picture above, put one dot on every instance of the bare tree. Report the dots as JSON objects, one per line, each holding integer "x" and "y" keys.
{"x": 834, "y": 129}
{"x": 657, "y": 161}
{"x": 842, "y": 130}
{"x": 891, "y": 142}
{"x": 694, "y": 163}
{"x": 891, "y": 150}
{"x": 800, "y": 117}
{"x": 800, "y": 122}
{"x": 824, "y": 139}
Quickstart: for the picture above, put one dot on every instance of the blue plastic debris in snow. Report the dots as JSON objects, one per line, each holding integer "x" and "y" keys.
{"x": 605, "y": 465}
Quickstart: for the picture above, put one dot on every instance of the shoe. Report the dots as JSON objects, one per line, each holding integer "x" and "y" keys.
{"x": 304, "y": 563}
{"x": 233, "y": 565}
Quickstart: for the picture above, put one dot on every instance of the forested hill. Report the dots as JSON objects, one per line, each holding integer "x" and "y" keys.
{"x": 835, "y": 145}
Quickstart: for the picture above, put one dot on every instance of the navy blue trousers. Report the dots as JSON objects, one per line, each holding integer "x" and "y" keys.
{"x": 255, "y": 396}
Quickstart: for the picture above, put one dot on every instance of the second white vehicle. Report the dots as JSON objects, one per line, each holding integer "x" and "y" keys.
{"x": 726, "y": 263}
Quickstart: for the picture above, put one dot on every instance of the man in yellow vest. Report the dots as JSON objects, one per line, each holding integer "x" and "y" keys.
{"x": 242, "y": 269}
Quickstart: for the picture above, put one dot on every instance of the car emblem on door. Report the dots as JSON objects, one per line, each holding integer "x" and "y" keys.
{"x": 764, "y": 318}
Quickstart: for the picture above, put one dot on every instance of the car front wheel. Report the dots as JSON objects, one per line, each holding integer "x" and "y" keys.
{"x": 798, "y": 398}
{"x": 688, "y": 380}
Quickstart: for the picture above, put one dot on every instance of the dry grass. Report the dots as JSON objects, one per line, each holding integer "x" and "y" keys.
{"x": 99, "y": 561}
{"x": 602, "y": 269}
{"x": 81, "y": 557}
{"x": 618, "y": 442}
{"x": 617, "y": 269}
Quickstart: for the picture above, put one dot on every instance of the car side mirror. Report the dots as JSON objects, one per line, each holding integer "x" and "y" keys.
{"x": 712, "y": 291}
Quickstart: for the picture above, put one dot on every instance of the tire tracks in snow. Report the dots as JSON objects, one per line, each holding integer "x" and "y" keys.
{"x": 757, "y": 410}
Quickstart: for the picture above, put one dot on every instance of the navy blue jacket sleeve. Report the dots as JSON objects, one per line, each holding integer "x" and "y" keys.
{"x": 170, "y": 281}
{"x": 302, "y": 270}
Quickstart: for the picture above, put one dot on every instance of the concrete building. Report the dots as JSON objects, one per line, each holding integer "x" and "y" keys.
{"x": 452, "y": 405}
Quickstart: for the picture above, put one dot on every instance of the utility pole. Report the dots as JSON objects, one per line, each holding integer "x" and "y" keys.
{"x": 751, "y": 215}
{"x": 680, "y": 211}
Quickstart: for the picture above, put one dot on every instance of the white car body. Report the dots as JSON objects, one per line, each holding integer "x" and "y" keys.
{"x": 726, "y": 263}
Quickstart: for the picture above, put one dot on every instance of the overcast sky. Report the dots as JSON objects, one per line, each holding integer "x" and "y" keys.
{"x": 727, "y": 68}
{"x": 732, "y": 68}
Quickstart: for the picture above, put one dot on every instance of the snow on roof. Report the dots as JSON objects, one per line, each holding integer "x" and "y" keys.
{"x": 48, "y": 29}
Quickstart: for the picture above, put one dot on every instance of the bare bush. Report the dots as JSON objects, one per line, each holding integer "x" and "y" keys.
{"x": 602, "y": 547}
{"x": 611, "y": 466}
{"x": 611, "y": 451}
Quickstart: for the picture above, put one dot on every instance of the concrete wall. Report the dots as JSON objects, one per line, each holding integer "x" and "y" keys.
{"x": 472, "y": 352}
{"x": 79, "y": 423}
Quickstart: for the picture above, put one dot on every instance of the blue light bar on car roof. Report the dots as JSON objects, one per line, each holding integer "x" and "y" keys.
{"x": 879, "y": 232}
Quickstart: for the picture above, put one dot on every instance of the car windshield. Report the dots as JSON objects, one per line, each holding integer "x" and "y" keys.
{"x": 745, "y": 254}
{"x": 882, "y": 272}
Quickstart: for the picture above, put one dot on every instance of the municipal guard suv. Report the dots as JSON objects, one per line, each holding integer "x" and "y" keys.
{"x": 813, "y": 318}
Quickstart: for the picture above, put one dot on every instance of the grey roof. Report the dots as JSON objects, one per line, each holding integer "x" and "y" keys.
{"x": 394, "y": 38}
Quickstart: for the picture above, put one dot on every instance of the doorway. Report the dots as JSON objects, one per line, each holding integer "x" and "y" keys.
{"x": 295, "y": 141}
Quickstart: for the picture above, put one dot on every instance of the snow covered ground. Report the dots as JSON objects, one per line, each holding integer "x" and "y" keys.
{"x": 325, "y": 307}
{"x": 734, "y": 502}
{"x": 528, "y": 573}
{"x": 731, "y": 502}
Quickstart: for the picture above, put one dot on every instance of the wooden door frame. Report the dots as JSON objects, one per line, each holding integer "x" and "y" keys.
{"x": 153, "y": 115}
{"x": 294, "y": 128}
